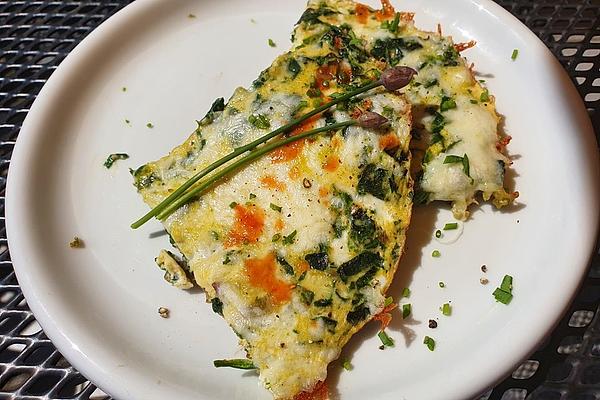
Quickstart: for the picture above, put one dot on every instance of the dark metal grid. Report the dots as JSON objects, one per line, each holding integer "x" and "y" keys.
{"x": 35, "y": 36}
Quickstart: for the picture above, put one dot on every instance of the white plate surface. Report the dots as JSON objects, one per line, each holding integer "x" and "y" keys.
{"x": 99, "y": 304}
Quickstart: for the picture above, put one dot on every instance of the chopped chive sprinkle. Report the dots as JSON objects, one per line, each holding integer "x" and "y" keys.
{"x": 451, "y": 226}
{"x": 406, "y": 292}
{"x": 275, "y": 207}
{"x": 438, "y": 234}
{"x": 124, "y": 89}
{"x": 473, "y": 101}
{"x": 388, "y": 301}
{"x": 240, "y": 363}
{"x": 252, "y": 196}
{"x": 385, "y": 339}
{"x": 276, "y": 237}
{"x": 346, "y": 365}
{"x": 485, "y": 96}
{"x": 446, "y": 309}
{"x": 406, "y": 310}
{"x": 149, "y": 125}
{"x": 506, "y": 284}
{"x": 447, "y": 104}
{"x": 452, "y": 159}
{"x": 127, "y": 121}
{"x": 191, "y": 16}
{"x": 429, "y": 342}
{"x": 515, "y": 54}
{"x": 502, "y": 296}
{"x": 233, "y": 204}
{"x": 441, "y": 284}
{"x": 289, "y": 239}
{"x": 436, "y": 253}
{"x": 272, "y": 43}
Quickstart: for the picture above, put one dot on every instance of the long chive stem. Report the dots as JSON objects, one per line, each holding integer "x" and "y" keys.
{"x": 239, "y": 363}
{"x": 245, "y": 160}
{"x": 240, "y": 150}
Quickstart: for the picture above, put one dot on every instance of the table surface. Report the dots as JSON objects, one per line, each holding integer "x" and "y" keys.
{"x": 35, "y": 36}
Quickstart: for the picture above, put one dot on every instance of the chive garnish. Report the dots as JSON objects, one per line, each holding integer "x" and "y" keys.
{"x": 429, "y": 342}
{"x": 446, "y": 309}
{"x": 441, "y": 284}
{"x": 436, "y": 253}
{"x": 289, "y": 239}
{"x": 515, "y": 54}
{"x": 385, "y": 339}
{"x": 272, "y": 43}
{"x": 346, "y": 365}
{"x": 239, "y": 363}
{"x": 150, "y": 125}
{"x": 406, "y": 292}
{"x": 406, "y": 310}
{"x": 275, "y": 207}
{"x": 233, "y": 204}
{"x": 392, "y": 79}
{"x": 388, "y": 301}
{"x": 503, "y": 294}
{"x": 438, "y": 234}
{"x": 450, "y": 226}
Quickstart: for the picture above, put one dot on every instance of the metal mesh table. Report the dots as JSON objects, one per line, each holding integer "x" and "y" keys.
{"x": 35, "y": 36}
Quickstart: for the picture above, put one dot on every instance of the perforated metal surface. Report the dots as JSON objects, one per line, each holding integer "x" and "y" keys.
{"x": 35, "y": 36}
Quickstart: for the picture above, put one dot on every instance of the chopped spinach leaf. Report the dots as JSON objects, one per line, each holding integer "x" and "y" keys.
{"x": 318, "y": 261}
{"x": 293, "y": 67}
{"x": 373, "y": 180}
{"x": 361, "y": 262}
{"x": 358, "y": 314}
{"x": 285, "y": 265}
{"x": 260, "y": 121}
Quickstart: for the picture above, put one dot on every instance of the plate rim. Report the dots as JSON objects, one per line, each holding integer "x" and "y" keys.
{"x": 26, "y": 139}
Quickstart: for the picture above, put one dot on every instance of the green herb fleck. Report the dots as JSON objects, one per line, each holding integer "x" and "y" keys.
{"x": 307, "y": 296}
{"x": 275, "y": 207}
{"x": 441, "y": 284}
{"x": 451, "y": 226}
{"x": 149, "y": 125}
{"x": 346, "y": 365}
{"x": 124, "y": 89}
{"x": 436, "y": 253}
{"x": 191, "y": 16}
{"x": 473, "y": 101}
{"x": 388, "y": 300}
{"x": 503, "y": 294}
{"x": 289, "y": 239}
{"x": 406, "y": 292}
{"x": 240, "y": 363}
{"x": 260, "y": 121}
{"x": 446, "y": 309}
{"x": 272, "y": 43}
{"x": 114, "y": 157}
{"x": 385, "y": 339}
{"x": 252, "y": 196}
{"x": 452, "y": 159}
{"x": 276, "y": 237}
{"x": 285, "y": 265}
{"x": 438, "y": 234}
{"x": 447, "y": 104}
{"x": 429, "y": 342}
{"x": 233, "y": 204}
{"x": 406, "y": 310}
{"x": 485, "y": 96}
{"x": 515, "y": 54}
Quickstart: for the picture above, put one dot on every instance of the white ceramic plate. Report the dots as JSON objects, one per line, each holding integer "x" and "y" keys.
{"x": 99, "y": 304}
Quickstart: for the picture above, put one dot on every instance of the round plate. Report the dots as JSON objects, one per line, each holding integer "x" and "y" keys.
{"x": 163, "y": 62}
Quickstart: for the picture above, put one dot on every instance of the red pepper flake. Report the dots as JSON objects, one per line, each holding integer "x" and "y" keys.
{"x": 362, "y": 13}
{"x": 387, "y": 11}
{"x": 320, "y": 392}
{"x": 384, "y": 316}
{"x": 248, "y": 225}
{"x": 261, "y": 273}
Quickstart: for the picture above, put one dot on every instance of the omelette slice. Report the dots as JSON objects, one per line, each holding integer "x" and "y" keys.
{"x": 297, "y": 249}
{"x": 457, "y": 147}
